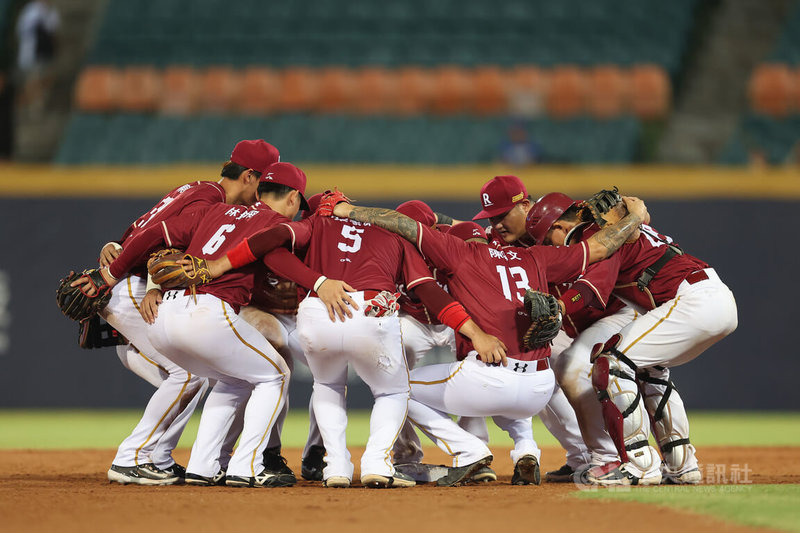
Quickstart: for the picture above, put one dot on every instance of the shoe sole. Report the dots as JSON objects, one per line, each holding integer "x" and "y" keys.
{"x": 246, "y": 483}
{"x": 337, "y": 483}
{"x": 124, "y": 479}
{"x": 374, "y": 481}
{"x": 474, "y": 467}
{"x": 530, "y": 473}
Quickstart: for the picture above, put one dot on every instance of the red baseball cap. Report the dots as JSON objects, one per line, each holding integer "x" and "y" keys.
{"x": 289, "y": 175}
{"x": 255, "y": 154}
{"x": 313, "y": 205}
{"x": 468, "y": 230}
{"x": 499, "y": 195}
{"x": 544, "y": 212}
{"x": 419, "y": 211}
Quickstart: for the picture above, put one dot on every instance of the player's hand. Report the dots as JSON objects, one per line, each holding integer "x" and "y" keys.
{"x": 636, "y": 207}
{"x": 88, "y": 288}
{"x": 333, "y": 294}
{"x": 108, "y": 253}
{"x": 216, "y": 267}
{"x": 149, "y": 306}
{"x": 491, "y": 350}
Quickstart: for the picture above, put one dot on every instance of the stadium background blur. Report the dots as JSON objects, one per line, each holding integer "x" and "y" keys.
{"x": 693, "y": 105}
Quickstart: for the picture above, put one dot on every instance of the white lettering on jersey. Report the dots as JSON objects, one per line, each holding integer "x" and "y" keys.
{"x": 351, "y": 234}
{"x": 217, "y": 239}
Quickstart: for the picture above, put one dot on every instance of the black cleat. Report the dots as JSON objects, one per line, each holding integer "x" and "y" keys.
{"x": 275, "y": 464}
{"x": 562, "y": 475}
{"x": 313, "y": 463}
{"x": 203, "y": 481}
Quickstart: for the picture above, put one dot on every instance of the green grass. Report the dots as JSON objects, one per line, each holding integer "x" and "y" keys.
{"x": 52, "y": 429}
{"x": 773, "y": 506}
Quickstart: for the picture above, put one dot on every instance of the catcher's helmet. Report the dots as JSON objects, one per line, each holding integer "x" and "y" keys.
{"x": 544, "y": 212}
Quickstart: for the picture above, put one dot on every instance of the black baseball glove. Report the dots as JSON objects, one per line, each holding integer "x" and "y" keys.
{"x": 95, "y": 332}
{"x": 602, "y": 208}
{"x": 77, "y": 304}
{"x": 545, "y": 318}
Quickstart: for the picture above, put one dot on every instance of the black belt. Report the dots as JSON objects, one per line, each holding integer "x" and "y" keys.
{"x": 651, "y": 271}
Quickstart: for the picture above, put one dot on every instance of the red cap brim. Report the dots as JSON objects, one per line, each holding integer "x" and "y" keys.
{"x": 492, "y": 212}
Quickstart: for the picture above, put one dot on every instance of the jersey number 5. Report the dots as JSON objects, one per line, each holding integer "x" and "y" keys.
{"x": 516, "y": 274}
{"x": 351, "y": 234}
{"x": 217, "y": 239}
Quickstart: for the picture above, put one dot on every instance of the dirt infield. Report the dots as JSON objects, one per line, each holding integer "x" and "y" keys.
{"x": 67, "y": 491}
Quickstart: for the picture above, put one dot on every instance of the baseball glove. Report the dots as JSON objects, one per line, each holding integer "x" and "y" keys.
{"x": 545, "y": 318}
{"x": 166, "y": 270}
{"x": 604, "y": 207}
{"x": 97, "y": 333}
{"x": 77, "y": 304}
{"x": 329, "y": 201}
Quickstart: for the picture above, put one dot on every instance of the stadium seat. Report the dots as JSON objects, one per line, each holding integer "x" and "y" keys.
{"x": 606, "y": 91}
{"x": 490, "y": 91}
{"x": 772, "y": 90}
{"x": 221, "y": 88}
{"x": 180, "y": 91}
{"x": 376, "y": 90}
{"x": 98, "y": 89}
{"x": 527, "y": 90}
{"x": 336, "y": 89}
{"x": 260, "y": 92}
{"x": 650, "y": 91}
{"x": 567, "y": 90}
{"x": 299, "y": 89}
{"x": 453, "y": 90}
{"x": 140, "y": 89}
{"x": 415, "y": 90}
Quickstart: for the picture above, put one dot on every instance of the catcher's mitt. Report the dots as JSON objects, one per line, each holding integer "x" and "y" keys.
{"x": 545, "y": 318}
{"x": 329, "y": 201}
{"x": 604, "y": 207}
{"x": 77, "y": 304}
{"x": 166, "y": 271}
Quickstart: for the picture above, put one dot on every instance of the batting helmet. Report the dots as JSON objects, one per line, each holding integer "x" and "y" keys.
{"x": 544, "y": 212}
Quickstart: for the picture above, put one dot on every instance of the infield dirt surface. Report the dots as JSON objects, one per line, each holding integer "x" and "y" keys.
{"x": 67, "y": 491}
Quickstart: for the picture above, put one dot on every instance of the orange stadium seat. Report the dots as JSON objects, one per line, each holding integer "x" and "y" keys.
{"x": 606, "y": 91}
{"x": 299, "y": 89}
{"x": 414, "y": 91}
{"x": 180, "y": 91}
{"x": 772, "y": 90}
{"x": 97, "y": 89}
{"x": 140, "y": 88}
{"x": 261, "y": 87}
{"x": 567, "y": 91}
{"x": 490, "y": 91}
{"x": 453, "y": 90}
{"x": 650, "y": 91}
{"x": 376, "y": 90}
{"x": 220, "y": 89}
{"x": 336, "y": 89}
{"x": 527, "y": 90}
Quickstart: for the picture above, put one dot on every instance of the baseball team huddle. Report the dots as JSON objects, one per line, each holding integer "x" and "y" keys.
{"x": 258, "y": 289}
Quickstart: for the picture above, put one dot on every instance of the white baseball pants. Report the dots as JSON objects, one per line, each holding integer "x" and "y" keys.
{"x": 207, "y": 338}
{"x": 374, "y": 347}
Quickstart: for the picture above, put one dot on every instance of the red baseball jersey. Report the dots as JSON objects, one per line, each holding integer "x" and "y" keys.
{"x": 363, "y": 255}
{"x": 635, "y": 257}
{"x": 192, "y": 195}
{"x": 491, "y": 282}
{"x": 210, "y": 233}
{"x": 413, "y": 307}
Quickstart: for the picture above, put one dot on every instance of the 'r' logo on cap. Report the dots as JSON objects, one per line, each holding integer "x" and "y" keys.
{"x": 268, "y": 176}
{"x": 486, "y": 201}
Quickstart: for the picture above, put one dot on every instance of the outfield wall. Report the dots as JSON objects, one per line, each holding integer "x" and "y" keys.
{"x": 746, "y": 230}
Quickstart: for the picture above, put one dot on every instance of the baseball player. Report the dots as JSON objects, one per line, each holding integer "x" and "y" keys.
{"x": 491, "y": 284}
{"x": 203, "y": 332}
{"x": 686, "y": 309}
{"x": 422, "y": 332}
{"x": 506, "y": 203}
{"x": 145, "y": 456}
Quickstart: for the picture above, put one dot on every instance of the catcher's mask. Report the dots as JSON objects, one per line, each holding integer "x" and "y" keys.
{"x": 544, "y": 212}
